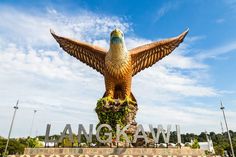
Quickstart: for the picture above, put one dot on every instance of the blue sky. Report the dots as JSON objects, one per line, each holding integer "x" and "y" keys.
{"x": 184, "y": 88}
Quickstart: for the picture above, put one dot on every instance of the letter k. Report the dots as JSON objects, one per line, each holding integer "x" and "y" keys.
{"x": 120, "y": 132}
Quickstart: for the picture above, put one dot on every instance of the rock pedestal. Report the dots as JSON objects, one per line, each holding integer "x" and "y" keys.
{"x": 115, "y": 111}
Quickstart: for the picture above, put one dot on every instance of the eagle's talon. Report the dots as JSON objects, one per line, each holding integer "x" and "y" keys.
{"x": 127, "y": 100}
{"x": 108, "y": 100}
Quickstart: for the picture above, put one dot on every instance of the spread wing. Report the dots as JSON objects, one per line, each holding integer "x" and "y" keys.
{"x": 91, "y": 55}
{"x": 145, "y": 56}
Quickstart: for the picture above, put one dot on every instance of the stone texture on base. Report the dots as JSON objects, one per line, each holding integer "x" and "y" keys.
{"x": 59, "y": 152}
{"x": 53, "y": 155}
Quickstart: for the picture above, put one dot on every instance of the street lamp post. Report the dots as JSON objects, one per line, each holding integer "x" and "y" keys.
{"x": 222, "y": 129}
{"x": 208, "y": 141}
{"x": 222, "y": 108}
{"x": 32, "y": 123}
{"x": 9, "y": 133}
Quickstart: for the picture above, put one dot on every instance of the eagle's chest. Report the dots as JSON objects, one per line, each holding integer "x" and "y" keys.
{"x": 118, "y": 65}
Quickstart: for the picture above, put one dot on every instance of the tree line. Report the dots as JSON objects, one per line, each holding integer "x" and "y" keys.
{"x": 220, "y": 142}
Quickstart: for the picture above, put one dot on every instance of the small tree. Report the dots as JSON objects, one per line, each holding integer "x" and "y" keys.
{"x": 33, "y": 142}
{"x": 195, "y": 144}
{"x": 219, "y": 150}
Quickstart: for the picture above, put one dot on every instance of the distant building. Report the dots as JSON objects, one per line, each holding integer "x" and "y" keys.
{"x": 207, "y": 146}
{"x": 49, "y": 144}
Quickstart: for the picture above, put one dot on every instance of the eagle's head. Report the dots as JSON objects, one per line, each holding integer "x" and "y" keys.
{"x": 117, "y": 37}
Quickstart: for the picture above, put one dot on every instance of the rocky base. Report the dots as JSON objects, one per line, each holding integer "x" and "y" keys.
{"x": 114, "y": 111}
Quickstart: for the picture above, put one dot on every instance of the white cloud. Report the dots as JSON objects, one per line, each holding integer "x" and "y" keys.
{"x": 172, "y": 83}
{"x": 164, "y": 9}
{"x": 183, "y": 62}
{"x": 34, "y": 70}
{"x": 34, "y": 29}
{"x": 132, "y": 42}
{"x": 191, "y": 119}
{"x": 215, "y": 52}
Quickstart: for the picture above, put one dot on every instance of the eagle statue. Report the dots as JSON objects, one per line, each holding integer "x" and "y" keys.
{"x": 118, "y": 65}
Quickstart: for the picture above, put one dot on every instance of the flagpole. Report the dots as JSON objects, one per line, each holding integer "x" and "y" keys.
{"x": 9, "y": 133}
{"x": 232, "y": 149}
{"x": 32, "y": 123}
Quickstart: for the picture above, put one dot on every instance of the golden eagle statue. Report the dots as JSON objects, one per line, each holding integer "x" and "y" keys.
{"x": 118, "y": 65}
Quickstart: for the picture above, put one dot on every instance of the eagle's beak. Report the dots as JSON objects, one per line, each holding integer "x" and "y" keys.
{"x": 116, "y": 33}
{"x": 116, "y": 37}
